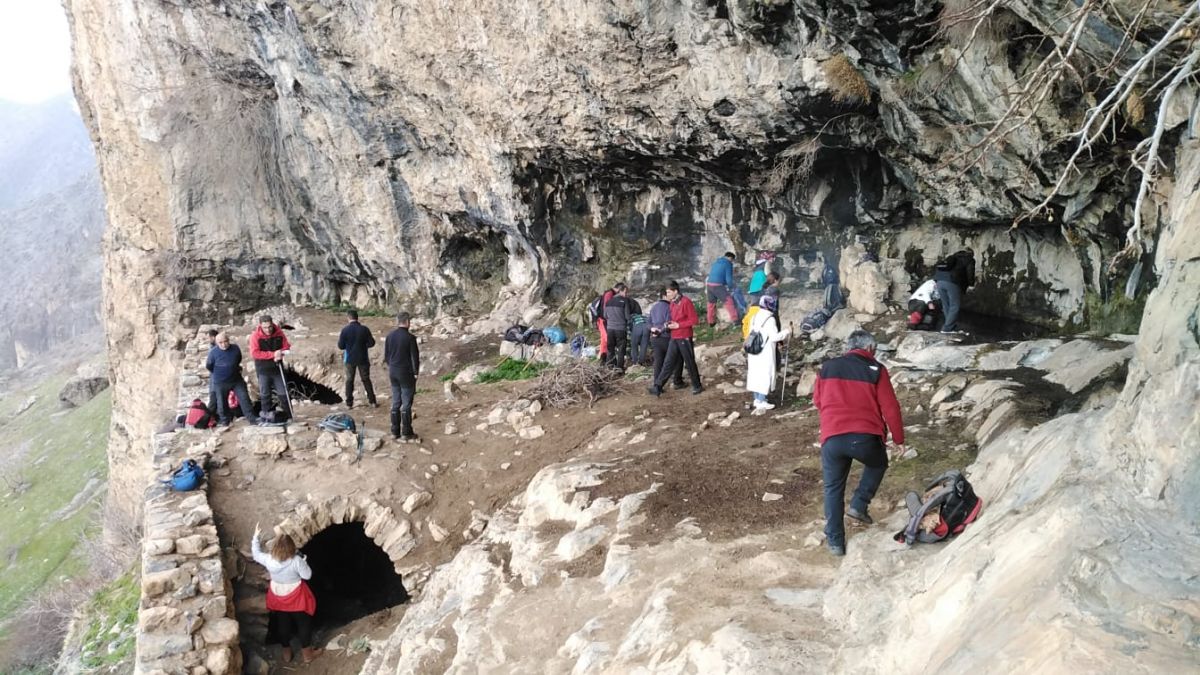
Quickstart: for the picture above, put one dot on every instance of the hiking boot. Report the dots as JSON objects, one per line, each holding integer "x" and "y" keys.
{"x": 764, "y": 405}
{"x": 654, "y": 390}
{"x": 838, "y": 550}
{"x": 696, "y": 391}
{"x": 680, "y": 385}
{"x": 860, "y": 516}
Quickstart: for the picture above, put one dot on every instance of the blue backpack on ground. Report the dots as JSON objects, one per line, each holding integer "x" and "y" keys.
{"x": 337, "y": 422}
{"x": 555, "y": 335}
{"x": 187, "y": 476}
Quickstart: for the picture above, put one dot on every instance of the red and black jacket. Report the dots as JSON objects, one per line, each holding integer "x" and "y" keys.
{"x": 854, "y": 396}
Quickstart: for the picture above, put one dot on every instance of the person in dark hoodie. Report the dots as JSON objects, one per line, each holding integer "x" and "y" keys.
{"x": 954, "y": 276}
{"x": 403, "y": 359}
{"x": 639, "y": 333}
{"x": 660, "y": 336}
{"x": 355, "y": 339}
{"x": 858, "y": 409}
{"x": 225, "y": 365}
{"x": 682, "y": 322}
{"x": 616, "y": 323}
{"x": 268, "y": 345}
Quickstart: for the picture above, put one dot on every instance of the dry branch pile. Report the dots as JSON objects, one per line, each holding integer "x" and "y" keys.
{"x": 574, "y": 383}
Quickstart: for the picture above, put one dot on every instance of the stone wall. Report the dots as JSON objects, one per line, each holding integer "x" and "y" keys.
{"x": 186, "y": 621}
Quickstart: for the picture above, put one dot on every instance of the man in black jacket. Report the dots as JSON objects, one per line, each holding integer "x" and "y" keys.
{"x": 355, "y": 340}
{"x": 954, "y": 276}
{"x": 616, "y": 322}
{"x": 403, "y": 359}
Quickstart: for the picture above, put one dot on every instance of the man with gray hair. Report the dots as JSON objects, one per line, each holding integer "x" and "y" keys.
{"x": 403, "y": 359}
{"x": 858, "y": 408}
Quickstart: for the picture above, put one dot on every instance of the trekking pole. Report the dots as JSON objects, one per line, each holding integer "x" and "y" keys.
{"x": 287, "y": 392}
{"x": 787, "y": 347}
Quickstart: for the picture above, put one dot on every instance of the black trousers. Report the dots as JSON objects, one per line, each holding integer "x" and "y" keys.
{"x": 270, "y": 381}
{"x": 659, "y": 346}
{"x": 363, "y": 369}
{"x": 837, "y": 453}
{"x": 283, "y": 627}
{"x": 680, "y": 354}
{"x": 618, "y": 342}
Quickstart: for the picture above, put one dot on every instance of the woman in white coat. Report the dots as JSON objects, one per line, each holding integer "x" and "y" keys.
{"x": 760, "y": 367}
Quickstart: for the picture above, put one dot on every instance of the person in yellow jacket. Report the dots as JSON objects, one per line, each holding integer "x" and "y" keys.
{"x": 771, "y": 289}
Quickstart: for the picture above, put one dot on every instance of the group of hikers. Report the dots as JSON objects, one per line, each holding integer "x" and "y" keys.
{"x": 228, "y": 394}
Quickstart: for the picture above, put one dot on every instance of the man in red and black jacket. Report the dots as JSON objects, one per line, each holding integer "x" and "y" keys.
{"x": 268, "y": 345}
{"x": 858, "y": 408}
{"x": 683, "y": 319}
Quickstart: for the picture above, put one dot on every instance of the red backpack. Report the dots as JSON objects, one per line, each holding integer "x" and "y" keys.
{"x": 199, "y": 416}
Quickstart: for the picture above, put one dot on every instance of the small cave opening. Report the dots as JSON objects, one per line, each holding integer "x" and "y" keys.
{"x": 301, "y": 388}
{"x": 352, "y": 577}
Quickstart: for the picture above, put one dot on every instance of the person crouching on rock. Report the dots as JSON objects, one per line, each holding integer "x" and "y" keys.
{"x": 858, "y": 408}
{"x": 268, "y": 344}
{"x": 289, "y": 600}
{"x": 760, "y": 367}
{"x": 403, "y": 359}
{"x": 923, "y": 307}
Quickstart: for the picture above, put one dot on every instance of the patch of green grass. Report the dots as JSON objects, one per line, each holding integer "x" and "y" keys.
{"x": 448, "y": 376}
{"x": 1118, "y": 315}
{"x": 511, "y": 369}
{"x": 110, "y": 635}
{"x": 55, "y": 454}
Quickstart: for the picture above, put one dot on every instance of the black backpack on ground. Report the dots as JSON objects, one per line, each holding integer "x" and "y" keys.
{"x": 947, "y": 507}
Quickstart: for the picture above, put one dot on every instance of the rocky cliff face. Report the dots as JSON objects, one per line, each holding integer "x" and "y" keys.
{"x": 457, "y": 156}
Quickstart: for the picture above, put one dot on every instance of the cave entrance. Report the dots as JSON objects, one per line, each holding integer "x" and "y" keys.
{"x": 352, "y": 577}
{"x": 300, "y": 388}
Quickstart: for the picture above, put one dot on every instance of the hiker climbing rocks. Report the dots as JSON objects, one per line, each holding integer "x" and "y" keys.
{"x": 289, "y": 600}
{"x": 616, "y": 324}
{"x": 355, "y": 339}
{"x": 858, "y": 409}
{"x": 923, "y": 307}
{"x": 403, "y": 359}
{"x": 719, "y": 288}
{"x": 639, "y": 333}
{"x": 268, "y": 345}
{"x": 758, "y": 280}
{"x": 224, "y": 362}
{"x": 760, "y": 367}
{"x": 660, "y": 337}
{"x": 954, "y": 276}
{"x": 683, "y": 319}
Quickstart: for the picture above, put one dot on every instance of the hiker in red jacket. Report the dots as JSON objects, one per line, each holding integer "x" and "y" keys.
{"x": 858, "y": 409}
{"x": 268, "y": 345}
{"x": 683, "y": 319}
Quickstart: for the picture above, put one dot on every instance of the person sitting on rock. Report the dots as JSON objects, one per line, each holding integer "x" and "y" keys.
{"x": 224, "y": 364}
{"x": 954, "y": 276}
{"x": 289, "y": 599}
{"x": 616, "y": 324}
{"x": 403, "y": 359}
{"x": 683, "y": 320}
{"x": 923, "y": 307}
{"x": 268, "y": 345}
{"x": 719, "y": 288}
{"x": 760, "y": 367}
{"x": 355, "y": 339}
{"x": 858, "y": 409}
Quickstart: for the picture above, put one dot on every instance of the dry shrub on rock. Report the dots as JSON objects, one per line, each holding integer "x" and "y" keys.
{"x": 574, "y": 383}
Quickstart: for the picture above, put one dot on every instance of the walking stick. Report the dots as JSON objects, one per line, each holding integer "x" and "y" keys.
{"x": 287, "y": 392}
{"x": 787, "y": 347}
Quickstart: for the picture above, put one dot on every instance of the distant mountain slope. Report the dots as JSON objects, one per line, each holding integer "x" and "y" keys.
{"x": 51, "y": 224}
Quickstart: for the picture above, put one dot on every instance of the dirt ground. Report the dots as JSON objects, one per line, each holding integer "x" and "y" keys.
{"x": 715, "y": 475}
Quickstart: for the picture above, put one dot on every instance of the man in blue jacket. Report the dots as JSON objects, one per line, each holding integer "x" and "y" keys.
{"x": 225, "y": 363}
{"x": 720, "y": 289}
{"x": 355, "y": 340}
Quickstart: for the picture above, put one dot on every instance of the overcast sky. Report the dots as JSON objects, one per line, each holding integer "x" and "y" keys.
{"x": 35, "y": 50}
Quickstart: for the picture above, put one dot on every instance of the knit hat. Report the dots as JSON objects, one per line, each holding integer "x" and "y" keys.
{"x": 768, "y": 302}
{"x": 914, "y": 319}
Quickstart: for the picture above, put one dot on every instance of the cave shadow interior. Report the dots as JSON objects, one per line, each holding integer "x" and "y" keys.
{"x": 351, "y": 576}
{"x": 302, "y": 388}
